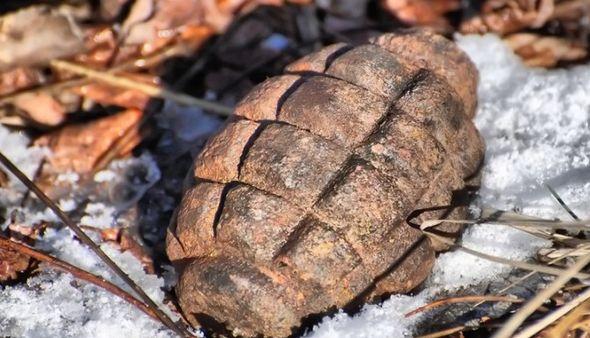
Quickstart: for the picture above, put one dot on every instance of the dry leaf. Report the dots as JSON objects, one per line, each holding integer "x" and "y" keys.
{"x": 79, "y": 147}
{"x": 422, "y": 12}
{"x": 126, "y": 242}
{"x": 11, "y": 264}
{"x": 544, "y": 51}
{"x": 19, "y": 78}
{"x": 509, "y": 16}
{"x": 101, "y": 45}
{"x": 35, "y": 35}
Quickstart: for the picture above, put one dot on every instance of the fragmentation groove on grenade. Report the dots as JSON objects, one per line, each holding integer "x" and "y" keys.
{"x": 299, "y": 204}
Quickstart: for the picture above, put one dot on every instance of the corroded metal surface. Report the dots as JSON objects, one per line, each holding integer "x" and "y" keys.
{"x": 300, "y": 202}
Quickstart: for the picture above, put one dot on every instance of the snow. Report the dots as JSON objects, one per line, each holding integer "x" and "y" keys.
{"x": 99, "y": 215}
{"x": 535, "y": 124}
{"x": 55, "y": 304}
{"x": 14, "y": 145}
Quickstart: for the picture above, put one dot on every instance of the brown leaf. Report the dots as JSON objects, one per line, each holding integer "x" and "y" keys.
{"x": 79, "y": 147}
{"x": 11, "y": 264}
{"x": 544, "y": 51}
{"x": 509, "y": 16}
{"x": 19, "y": 78}
{"x": 127, "y": 242}
{"x": 148, "y": 19}
{"x": 3, "y": 179}
{"x": 101, "y": 45}
{"x": 422, "y": 12}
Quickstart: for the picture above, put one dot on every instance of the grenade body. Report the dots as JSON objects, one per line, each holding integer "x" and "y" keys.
{"x": 299, "y": 204}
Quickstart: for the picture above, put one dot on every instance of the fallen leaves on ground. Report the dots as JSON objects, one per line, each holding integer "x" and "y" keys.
{"x": 422, "y": 12}
{"x": 12, "y": 263}
{"x": 126, "y": 242}
{"x": 78, "y": 147}
{"x": 544, "y": 51}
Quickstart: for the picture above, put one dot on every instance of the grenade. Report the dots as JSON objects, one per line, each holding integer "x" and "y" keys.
{"x": 299, "y": 205}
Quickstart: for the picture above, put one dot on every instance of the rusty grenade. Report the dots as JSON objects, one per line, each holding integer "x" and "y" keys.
{"x": 299, "y": 205}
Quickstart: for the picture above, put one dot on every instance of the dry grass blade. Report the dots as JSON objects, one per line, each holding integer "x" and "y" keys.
{"x": 531, "y": 306}
{"x": 517, "y": 264}
{"x": 554, "y": 316}
{"x": 76, "y": 272}
{"x": 516, "y": 222}
{"x": 464, "y": 299}
{"x": 553, "y": 261}
{"x": 93, "y": 246}
{"x": 148, "y": 89}
{"x": 444, "y": 333}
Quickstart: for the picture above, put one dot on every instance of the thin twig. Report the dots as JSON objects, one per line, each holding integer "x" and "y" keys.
{"x": 93, "y": 246}
{"x": 562, "y": 203}
{"x": 77, "y": 272}
{"x": 517, "y": 264}
{"x": 531, "y": 306}
{"x": 148, "y": 89}
{"x": 555, "y": 315}
{"x": 463, "y": 299}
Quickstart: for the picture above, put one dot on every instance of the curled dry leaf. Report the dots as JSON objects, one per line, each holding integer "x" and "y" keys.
{"x": 77, "y": 148}
{"x": 153, "y": 20}
{"x": 127, "y": 242}
{"x": 544, "y": 51}
{"x": 12, "y": 264}
{"x": 509, "y": 16}
{"x": 299, "y": 204}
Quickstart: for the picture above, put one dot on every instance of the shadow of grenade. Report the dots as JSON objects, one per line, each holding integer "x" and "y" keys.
{"x": 299, "y": 204}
